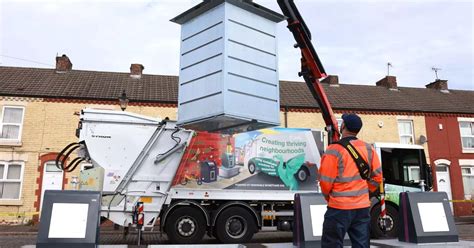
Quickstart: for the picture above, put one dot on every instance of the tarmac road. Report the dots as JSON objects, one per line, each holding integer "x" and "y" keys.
{"x": 20, "y": 239}
{"x": 17, "y": 236}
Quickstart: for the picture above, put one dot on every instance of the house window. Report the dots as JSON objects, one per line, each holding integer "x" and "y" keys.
{"x": 11, "y": 175}
{"x": 412, "y": 173}
{"x": 11, "y": 123}
{"x": 405, "y": 130}
{"x": 467, "y": 134}
{"x": 468, "y": 181}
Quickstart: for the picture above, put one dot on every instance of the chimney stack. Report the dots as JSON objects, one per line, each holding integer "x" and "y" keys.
{"x": 332, "y": 80}
{"x": 439, "y": 84}
{"x": 389, "y": 82}
{"x": 63, "y": 64}
{"x": 136, "y": 70}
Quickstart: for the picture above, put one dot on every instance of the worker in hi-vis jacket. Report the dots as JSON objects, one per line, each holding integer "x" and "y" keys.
{"x": 346, "y": 186}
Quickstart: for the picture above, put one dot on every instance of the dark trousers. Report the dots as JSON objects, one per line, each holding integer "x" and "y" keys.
{"x": 337, "y": 222}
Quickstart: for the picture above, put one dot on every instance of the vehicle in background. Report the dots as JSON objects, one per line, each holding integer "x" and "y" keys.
{"x": 404, "y": 169}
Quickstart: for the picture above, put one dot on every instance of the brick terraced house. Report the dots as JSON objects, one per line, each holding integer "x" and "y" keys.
{"x": 39, "y": 114}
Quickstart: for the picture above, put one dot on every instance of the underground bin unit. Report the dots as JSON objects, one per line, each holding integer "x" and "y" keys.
{"x": 228, "y": 78}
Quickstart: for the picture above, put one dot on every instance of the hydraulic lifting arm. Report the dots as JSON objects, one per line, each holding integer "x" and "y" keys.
{"x": 311, "y": 67}
{"x": 312, "y": 70}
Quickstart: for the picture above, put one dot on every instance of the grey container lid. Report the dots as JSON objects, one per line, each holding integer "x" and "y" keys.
{"x": 244, "y": 4}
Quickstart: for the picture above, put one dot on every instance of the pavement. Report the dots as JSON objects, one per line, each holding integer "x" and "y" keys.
{"x": 24, "y": 235}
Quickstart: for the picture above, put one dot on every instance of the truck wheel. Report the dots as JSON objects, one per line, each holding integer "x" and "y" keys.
{"x": 391, "y": 221}
{"x": 185, "y": 225}
{"x": 302, "y": 174}
{"x": 235, "y": 225}
{"x": 252, "y": 167}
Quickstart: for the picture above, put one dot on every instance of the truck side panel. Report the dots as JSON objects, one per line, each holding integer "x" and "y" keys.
{"x": 269, "y": 159}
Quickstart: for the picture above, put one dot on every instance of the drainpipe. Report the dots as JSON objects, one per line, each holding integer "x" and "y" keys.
{"x": 286, "y": 115}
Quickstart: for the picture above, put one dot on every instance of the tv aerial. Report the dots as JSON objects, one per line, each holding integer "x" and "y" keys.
{"x": 388, "y": 68}
{"x": 435, "y": 69}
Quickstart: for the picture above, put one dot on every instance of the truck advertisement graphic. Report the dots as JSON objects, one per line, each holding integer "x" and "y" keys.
{"x": 164, "y": 163}
{"x": 267, "y": 159}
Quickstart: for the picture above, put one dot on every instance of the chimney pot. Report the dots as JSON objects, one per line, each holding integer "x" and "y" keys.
{"x": 332, "y": 80}
{"x": 439, "y": 84}
{"x": 388, "y": 82}
{"x": 136, "y": 70}
{"x": 63, "y": 64}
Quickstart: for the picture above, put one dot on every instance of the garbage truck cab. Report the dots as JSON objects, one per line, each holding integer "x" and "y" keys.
{"x": 404, "y": 169}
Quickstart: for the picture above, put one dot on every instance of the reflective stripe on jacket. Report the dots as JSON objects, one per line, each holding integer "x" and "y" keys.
{"x": 340, "y": 180}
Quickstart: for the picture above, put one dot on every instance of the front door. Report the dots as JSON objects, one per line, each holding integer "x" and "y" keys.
{"x": 443, "y": 180}
{"x": 52, "y": 179}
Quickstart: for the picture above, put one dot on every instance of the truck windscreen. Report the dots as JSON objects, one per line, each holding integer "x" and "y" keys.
{"x": 403, "y": 166}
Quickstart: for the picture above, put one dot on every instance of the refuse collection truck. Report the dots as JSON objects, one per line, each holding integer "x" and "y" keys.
{"x": 193, "y": 183}
{"x": 188, "y": 180}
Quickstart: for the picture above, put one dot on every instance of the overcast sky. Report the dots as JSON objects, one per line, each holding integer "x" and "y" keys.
{"x": 354, "y": 39}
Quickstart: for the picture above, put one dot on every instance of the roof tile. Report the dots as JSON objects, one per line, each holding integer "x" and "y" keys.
{"x": 36, "y": 82}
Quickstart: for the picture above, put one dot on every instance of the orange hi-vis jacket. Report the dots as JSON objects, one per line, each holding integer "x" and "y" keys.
{"x": 340, "y": 181}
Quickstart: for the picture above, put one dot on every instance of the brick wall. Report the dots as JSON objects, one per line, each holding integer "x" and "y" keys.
{"x": 47, "y": 128}
{"x": 370, "y": 132}
{"x": 445, "y": 144}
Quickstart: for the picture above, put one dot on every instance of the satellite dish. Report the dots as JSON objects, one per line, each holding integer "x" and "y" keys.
{"x": 423, "y": 139}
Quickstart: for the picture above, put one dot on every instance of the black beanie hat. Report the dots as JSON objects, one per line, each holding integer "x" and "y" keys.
{"x": 353, "y": 122}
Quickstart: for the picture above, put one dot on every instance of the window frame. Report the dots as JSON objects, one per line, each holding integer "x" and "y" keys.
{"x": 471, "y": 170}
{"x": 412, "y": 135}
{"x": 4, "y": 179}
{"x": 410, "y": 170}
{"x": 470, "y": 121}
{"x": 339, "y": 122}
{"x": 471, "y": 174}
{"x": 20, "y": 131}
{"x": 51, "y": 163}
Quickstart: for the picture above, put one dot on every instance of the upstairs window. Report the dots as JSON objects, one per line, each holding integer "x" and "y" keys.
{"x": 405, "y": 130}
{"x": 11, "y": 123}
{"x": 467, "y": 134}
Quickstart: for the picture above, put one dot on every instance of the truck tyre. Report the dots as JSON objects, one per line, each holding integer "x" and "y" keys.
{"x": 302, "y": 174}
{"x": 235, "y": 225}
{"x": 185, "y": 225}
{"x": 252, "y": 167}
{"x": 392, "y": 222}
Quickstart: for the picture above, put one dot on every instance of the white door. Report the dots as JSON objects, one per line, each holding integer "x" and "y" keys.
{"x": 443, "y": 181}
{"x": 52, "y": 179}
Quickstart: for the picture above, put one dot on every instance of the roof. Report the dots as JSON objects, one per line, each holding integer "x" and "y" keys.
{"x": 367, "y": 97}
{"x": 96, "y": 85}
{"x": 244, "y": 4}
